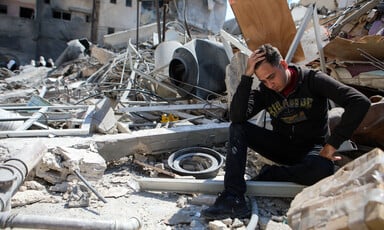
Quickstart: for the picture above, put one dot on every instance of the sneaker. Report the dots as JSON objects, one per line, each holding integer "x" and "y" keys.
{"x": 227, "y": 206}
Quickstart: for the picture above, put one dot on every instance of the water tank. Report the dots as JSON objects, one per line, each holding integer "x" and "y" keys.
{"x": 198, "y": 65}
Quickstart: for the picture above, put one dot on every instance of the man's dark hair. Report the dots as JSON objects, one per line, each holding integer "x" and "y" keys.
{"x": 272, "y": 55}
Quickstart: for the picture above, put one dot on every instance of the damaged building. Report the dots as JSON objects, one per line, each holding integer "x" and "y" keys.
{"x": 43, "y": 28}
{"x": 127, "y": 128}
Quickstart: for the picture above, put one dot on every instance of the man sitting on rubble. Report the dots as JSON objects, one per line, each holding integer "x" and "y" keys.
{"x": 297, "y": 100}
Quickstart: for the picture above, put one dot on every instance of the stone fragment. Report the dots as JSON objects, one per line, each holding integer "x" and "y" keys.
{"x": 217, "y": 225}
{"x": 58, "y": 164}
{"x": 352, "y": 198}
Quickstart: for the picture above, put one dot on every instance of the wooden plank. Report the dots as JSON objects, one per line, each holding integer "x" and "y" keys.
{"x": 266, "y": 21}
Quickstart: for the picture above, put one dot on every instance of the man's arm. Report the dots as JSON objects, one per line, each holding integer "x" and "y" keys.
{"x": 355, "y": 106}
{"x": 240, "y": 101}
{"x": 242, "y": 104}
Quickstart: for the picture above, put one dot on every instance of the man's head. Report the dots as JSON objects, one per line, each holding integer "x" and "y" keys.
{"x": 272, "y": 71}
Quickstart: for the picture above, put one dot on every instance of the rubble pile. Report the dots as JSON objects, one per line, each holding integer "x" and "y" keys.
{"x": 112, "y": 117}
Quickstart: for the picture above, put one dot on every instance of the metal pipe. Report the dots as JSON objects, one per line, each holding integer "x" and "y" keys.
{"x": 316, "y": 27}
{"x": 165, "y": 5}
{"x": 255, "y": 215}
{"x": 137, "y": 23}
{"x": 157, "y": 6}
{"x": 14, "y": 170}
{"x": 209, "y": 186}
{"x": 90, "y": 186}
{"x": 299, "y": 34}
{"x": 12, "y": 174}
{"x": 8, "y": 219}
{"x": 374, "y": 61}
{"x": 34, "y": 118}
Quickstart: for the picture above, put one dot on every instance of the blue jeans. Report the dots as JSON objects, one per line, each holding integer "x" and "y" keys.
{"x": 301, "y": 164}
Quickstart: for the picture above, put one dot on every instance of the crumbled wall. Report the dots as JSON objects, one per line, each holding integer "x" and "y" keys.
{"x": 206, "y": 15}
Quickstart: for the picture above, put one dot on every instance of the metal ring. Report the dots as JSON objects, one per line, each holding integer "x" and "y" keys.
{"x": 213, "y": 162}
{"x": 212, "y": 158}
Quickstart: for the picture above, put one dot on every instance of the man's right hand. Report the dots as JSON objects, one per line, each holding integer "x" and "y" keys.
{"x": 254, "y": 58}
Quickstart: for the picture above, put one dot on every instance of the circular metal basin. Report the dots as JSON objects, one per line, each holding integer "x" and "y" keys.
{"x": 200, "y": 162}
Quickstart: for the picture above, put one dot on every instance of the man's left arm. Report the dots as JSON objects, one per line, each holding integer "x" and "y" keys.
{"x": 355, "y": 106}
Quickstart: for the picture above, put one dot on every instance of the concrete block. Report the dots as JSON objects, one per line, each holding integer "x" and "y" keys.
{"x": 104, "y": 118}
{"x": 104, "y": 56}
{"x": 114, "y": 147}
{"x": 217, "y": 225}
{"x": 352, "y": 198}
{"x": 58, "y": 164}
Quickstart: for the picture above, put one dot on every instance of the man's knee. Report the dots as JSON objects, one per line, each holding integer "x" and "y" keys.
{"x": 237, "y": 131}
{"x": 319, "y": 168}
{"x": 244, "y": 128}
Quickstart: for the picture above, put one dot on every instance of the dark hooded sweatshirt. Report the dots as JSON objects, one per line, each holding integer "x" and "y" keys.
{"x": 302, "y": 116}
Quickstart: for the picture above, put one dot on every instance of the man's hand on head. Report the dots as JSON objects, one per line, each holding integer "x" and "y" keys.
{"x": 255, "y": 57}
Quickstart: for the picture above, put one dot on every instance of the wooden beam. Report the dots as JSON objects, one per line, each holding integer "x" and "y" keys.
{"x": 266, "y": 21}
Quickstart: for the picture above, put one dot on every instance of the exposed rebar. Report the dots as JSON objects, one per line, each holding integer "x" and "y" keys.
{"x": 89, "y": 186}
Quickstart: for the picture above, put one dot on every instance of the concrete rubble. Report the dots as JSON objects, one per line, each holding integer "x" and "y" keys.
{"x": 352, "y": 198}
{"x": 110, "y": 117}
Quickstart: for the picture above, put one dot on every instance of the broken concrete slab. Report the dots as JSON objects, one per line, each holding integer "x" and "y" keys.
{"x": 104, "y": 120}
{"x": 23, "y": 198}
{"x": 76, "y": 48}
{"x": 59, "y": 164}
{"x": 104, "y": 56}
{"x": 119, "y": 39}
{"x": 29, "y": 77}
{"x": 160, "y": 140}
{"x": 352, "y": 198}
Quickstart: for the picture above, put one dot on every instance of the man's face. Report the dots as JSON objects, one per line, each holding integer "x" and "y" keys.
{"x": 273, "y": 77}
